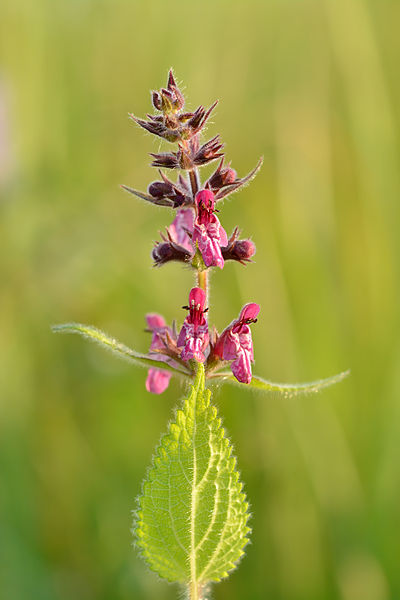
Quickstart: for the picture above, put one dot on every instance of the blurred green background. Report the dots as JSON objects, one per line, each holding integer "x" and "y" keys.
{"x": 313, "y": 85}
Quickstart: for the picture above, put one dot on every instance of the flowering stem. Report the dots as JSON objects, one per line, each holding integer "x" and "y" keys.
{"x": 194, "y": 181}
{"x": 202, "y": 275}
{"x": 202, "y": 280}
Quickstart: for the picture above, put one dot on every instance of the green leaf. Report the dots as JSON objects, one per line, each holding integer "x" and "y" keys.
{"x": 287, "y": 389}
{"x": 105, "y": 341}
{"x": 191, "y": 524}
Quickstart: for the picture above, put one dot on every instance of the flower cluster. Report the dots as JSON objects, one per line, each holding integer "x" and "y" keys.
{"x": 196, "y": 238}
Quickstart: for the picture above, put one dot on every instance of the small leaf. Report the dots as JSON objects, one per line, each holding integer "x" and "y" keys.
{"x": 192, "y": 517}
{"x": 105, "y": 341}
{"x": 287, "y": 389}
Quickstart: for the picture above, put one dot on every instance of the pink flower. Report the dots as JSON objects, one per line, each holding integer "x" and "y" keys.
{"x": 208, "y": 231}
{"x": 235, "y": 343}
{"x": 157, "y": 380}
{"x": 180, "y": 226}
{"x": 193, "y": 337}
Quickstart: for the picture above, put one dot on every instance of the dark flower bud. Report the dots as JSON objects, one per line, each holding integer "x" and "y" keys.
{"x": 157, "y": 100}
{"x": 156, "y": 126}
{"x": 172, "y": 125}
{"x": 221, "y": 177}
{"x": 166, "y": 160}
{"x": 209, "y": 151}
{"x": 160, "y": 188}
{"x": 165, "y": 192}
{"x": 240, "y": 250}
{"x": 177, "y": 194}
{"x": 199, "y": 118}
{"x": 169, "y": 99}
{"x": 164, "y": 252}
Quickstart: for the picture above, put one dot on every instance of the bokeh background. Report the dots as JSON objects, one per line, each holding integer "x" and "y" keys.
{"x": 313, "y": 86}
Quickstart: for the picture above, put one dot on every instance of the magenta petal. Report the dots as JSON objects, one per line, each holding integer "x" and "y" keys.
{"x": 205, "y": 198}
{"x": 241, "y": 367}
{"x": 183, "y": 222}
{"x": 209, "y": 247}
{"x": 228, "y": 346}
{"x": 193, "y": 349}
{"x": 249, "y": 311}
{"x": 223, "y": 238}
{"x": 184, "y": 334}
{"x": 198, "y": 297}
{"x": 157, "y": 381}
{"x": 193, "y": 342}
{"x": 155, "y": 321}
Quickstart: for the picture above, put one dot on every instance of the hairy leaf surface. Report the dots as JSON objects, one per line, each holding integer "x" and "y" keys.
{"x": 286, "y": 389}
{"x": 105, "y": 341}
{"x": 192, "y": 517}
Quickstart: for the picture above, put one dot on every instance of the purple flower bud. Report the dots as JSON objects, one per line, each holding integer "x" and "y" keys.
{"x": 168, "y": 99}
{"x": 156, "y": 126}
{"x": 208, "y": 152}
{"x": 193, "y": 337}
{"x": 159, "y": 189}
{"x": 243, "y": 250}
{"x": 235, "y": 343}
{"x": 157, "y": 100}
{"x": 221, "y": 177}
{"x": 168, "y": 193}
{"x": 199, "y": 118}
{"x": 208, "y": 232}
{"x": 164, "y": 252}
{"x": 166, "y": 160}
{"x": 240, "y": 250}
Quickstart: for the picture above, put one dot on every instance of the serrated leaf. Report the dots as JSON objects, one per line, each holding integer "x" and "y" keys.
{"x": 191, "y": 524}
{"x": 105, "y": 341}
{"x": 287, "y": 389}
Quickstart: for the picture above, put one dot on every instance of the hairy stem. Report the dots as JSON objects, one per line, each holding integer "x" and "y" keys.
{"x": 202, "y": 275}
{"x": 202, "y": 280}
{"x": 196, "y": 591}
{"x": 194, "y": 181}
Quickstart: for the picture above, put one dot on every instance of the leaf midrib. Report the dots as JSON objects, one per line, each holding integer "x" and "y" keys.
{"x": 194, "y": 489}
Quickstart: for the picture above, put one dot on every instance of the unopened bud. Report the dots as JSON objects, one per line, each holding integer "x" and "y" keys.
{"x": 240, "y": 250}
{"x": 157, "y": 100}
{"x": 169, "y": 193}
{"x": 209, "y": 151}
{"x": 164, "y": 252}
{"x": 160, "y": 188}
{"x": 221, "y": 177}
{"x": 169, "y": 99}
{"x": 243, "y": 250}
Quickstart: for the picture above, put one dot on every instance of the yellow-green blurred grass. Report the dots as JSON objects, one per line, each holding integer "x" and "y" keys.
{"x": 313, "y": 87}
